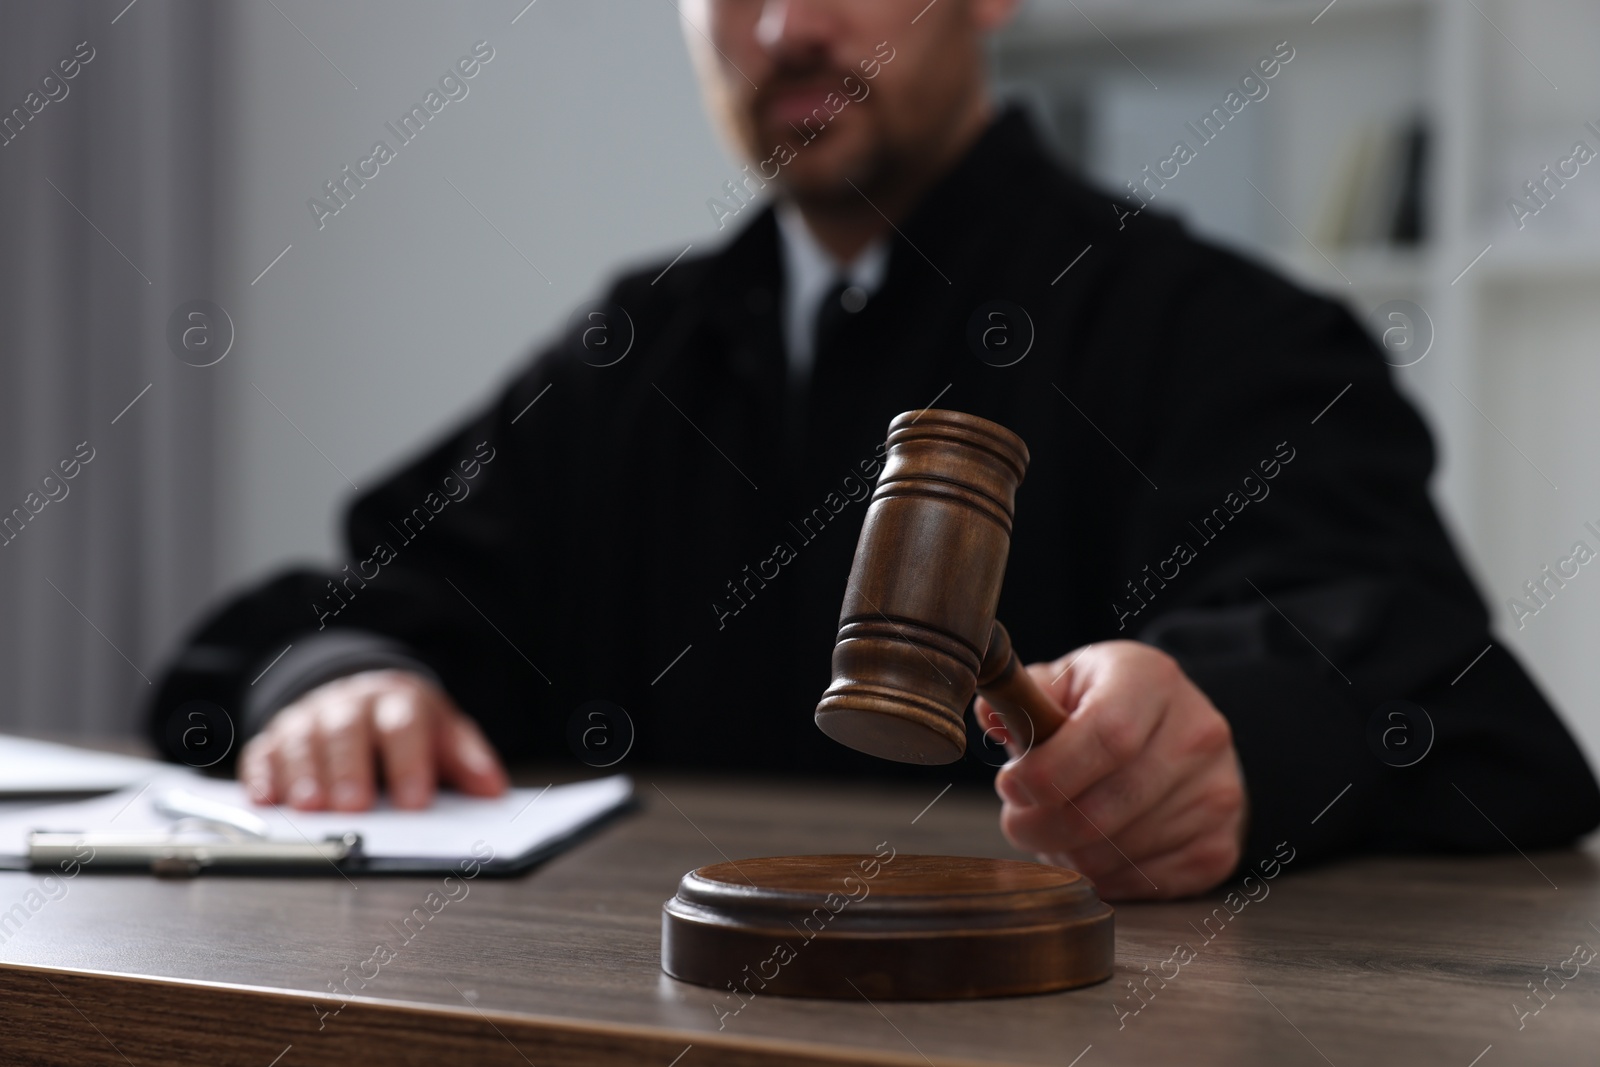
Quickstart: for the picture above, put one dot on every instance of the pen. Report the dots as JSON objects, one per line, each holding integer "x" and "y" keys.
{"x": 178, "y": 804}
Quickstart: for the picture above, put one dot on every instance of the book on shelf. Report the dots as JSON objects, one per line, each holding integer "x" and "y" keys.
{"x": 1376, "y": 195}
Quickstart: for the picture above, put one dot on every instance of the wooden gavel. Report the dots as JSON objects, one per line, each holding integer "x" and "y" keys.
{"x": 917, "y": 636}
{"x": 918, "y": 633}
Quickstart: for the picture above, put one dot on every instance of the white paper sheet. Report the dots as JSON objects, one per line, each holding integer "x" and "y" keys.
{"x": 31, "y": 768}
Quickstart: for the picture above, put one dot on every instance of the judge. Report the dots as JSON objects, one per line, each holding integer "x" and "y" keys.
{"x": 1225, "y": 562}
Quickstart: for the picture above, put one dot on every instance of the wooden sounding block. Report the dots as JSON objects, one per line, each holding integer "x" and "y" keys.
{"x": 917, "y": 638}
{"x": 887, "y": 927}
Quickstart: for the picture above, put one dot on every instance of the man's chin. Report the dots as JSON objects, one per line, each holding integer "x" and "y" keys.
{"x": 821, "y": 171}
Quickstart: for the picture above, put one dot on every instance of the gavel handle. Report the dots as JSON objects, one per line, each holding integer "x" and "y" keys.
{"x": 1029, "y": 713}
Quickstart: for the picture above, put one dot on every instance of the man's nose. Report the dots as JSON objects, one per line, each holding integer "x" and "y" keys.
{"x": 797, "y": 28}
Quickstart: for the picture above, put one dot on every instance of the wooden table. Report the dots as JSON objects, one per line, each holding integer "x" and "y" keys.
{"x": 1405, "y": 961}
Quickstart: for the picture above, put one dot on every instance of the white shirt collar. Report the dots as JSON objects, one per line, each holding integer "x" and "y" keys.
{"x": 809, "y": 272}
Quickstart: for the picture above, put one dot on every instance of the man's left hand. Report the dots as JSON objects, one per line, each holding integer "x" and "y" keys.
{"x": 1140, "y": 788}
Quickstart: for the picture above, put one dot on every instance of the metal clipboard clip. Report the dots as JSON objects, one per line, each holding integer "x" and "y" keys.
{"x": 240, "y": 840}
{"x": 170, "y": 856}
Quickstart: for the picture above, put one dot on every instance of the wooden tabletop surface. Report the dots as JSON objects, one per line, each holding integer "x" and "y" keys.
{"x": 1405, "y": 961}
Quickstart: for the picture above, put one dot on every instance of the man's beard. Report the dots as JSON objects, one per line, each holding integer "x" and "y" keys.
{"x": 871, "y": 166}
{"x": 853, "y": 184}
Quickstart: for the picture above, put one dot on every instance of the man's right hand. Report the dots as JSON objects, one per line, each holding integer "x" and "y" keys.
{"x": 324, "y": 750}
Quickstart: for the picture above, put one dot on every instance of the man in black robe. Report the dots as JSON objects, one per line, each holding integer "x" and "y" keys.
{"x": 1224, "y": 550}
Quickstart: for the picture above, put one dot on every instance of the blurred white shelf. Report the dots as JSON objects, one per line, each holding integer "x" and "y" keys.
{"x": 1523, "y": 257}
{"x": 1052, "y": 23}
{"x": 1401, "y": 271}
{"x": 1512, "y": 260}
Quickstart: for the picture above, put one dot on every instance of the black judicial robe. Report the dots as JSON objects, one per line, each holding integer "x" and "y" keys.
{"x": 647, "y": 533}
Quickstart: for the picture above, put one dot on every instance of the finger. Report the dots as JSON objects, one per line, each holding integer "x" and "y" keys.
{"x": 1193, "y": 812}
{"x": 1068, "y": 677}
{"x": 1070, "y": 826}
{"x": 405, "y": 740}
{"x": 1103, "y": 735}
{"x": 1194, "y": 837}
{"x": 989, "y": 721}
{"x": 1053, "y": 679}
{"x": 297, "y": 763}
{"x": 1190, "y": 742}
{"x": 255, "y": 771}
{"x": 345, "y": 725}
{"x": 1196, "y": 807}
{"x": 1211, "y": 800}
{"x": 1193, "y": 868}
{"x": 466, "y": 759}
{"x": 1105, "y": 809}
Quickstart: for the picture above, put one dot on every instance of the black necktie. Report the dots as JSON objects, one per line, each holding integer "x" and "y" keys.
{"x": 839, "y": 304}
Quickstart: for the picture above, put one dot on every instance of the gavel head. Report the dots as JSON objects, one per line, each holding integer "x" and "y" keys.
{"x": 924, "y": 588}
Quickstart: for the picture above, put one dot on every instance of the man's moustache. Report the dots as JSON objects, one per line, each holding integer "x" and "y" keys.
{"x": 826, "y": 81}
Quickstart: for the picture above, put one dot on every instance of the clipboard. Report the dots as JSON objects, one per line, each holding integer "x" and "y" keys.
{"x": 500, "y": 836}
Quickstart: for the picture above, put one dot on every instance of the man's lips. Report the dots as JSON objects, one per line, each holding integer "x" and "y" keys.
{"x": 793, "y": 106}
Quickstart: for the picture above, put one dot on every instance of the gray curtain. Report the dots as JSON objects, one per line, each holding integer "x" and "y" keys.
{"x": 106, "y": 205}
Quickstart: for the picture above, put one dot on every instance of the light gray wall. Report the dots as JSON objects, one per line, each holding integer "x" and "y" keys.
{"x": 1538, "y": 453}
{"x": 583, "y": 143}
{"x": 1544, "y": 380}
